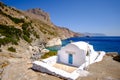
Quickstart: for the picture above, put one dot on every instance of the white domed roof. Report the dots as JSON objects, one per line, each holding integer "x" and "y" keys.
{"x": 81, "y": 45}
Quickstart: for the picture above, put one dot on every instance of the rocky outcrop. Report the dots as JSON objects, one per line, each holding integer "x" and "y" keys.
{"x": 54, "y": 42}
{"x": 38, "y": 13}
{"x": 45, "y": 51}
{"x": 36, "y": 52}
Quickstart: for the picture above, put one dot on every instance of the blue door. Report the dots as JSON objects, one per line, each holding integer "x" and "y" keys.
{"x": 70, "y": 59}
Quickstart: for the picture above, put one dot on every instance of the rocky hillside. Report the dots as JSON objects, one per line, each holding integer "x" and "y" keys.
{"x": 23, "y": 33}
{"x": 38, "y": 22}
{"x": 39, "y": 14}
{"x": 65, "y": 33}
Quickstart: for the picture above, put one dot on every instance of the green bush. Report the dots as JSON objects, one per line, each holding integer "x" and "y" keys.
{"x": 26, "y": 29}
{"x": 51, "y": 53}
{"x": 11, "y": 49}
{"x": 25, "y": 26}
{"x": 8, "y": 40}
{"x": 11, "y": 34}
{"x": 9, "y": 31}
{"x": 16, "y": 20}
{"x": 26, "y": 33}
{"x": 36, "y": 35}
{"x": 27, "y": 39}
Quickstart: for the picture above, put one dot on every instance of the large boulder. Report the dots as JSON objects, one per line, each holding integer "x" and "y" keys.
{"x": 43, "y": 51}
{"x": 54, "y": 42}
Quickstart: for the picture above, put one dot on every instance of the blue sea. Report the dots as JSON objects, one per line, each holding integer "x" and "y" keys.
{"x": 101, "y": 43}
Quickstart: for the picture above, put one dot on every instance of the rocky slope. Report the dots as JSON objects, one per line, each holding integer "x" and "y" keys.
{"x": 39, "y": 14}
{"x": 32, "y": 25}
{"x": 24, "y": 34}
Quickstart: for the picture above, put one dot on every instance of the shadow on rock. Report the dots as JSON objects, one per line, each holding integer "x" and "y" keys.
{"x": 117, "y": 58}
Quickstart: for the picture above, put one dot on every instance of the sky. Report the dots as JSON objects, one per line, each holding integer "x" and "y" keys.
{"x": 93, "y": 16}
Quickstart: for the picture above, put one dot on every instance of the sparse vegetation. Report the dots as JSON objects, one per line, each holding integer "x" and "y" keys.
{"x": 26, "y": 32}
{"x": 11, "y": 34}
{"x": 25, "y": 26}
{"x": 26, "y": 29}
{"x": 26, "y": 38}
{"x": 15, "y": 20}
{"x": 11, "y": 49}
{"x": 0, "y": 50}
{"x": 36, "y": 35}
{"x": 7, "y": 40}
{"x": 48, "y": 31}
{"x": 51, "y": 53}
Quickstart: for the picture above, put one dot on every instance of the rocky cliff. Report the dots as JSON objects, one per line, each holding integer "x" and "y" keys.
{"x": 38, "y": 13}
{"x": 54, "y": 41}
{"x": 62, "y": 32}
